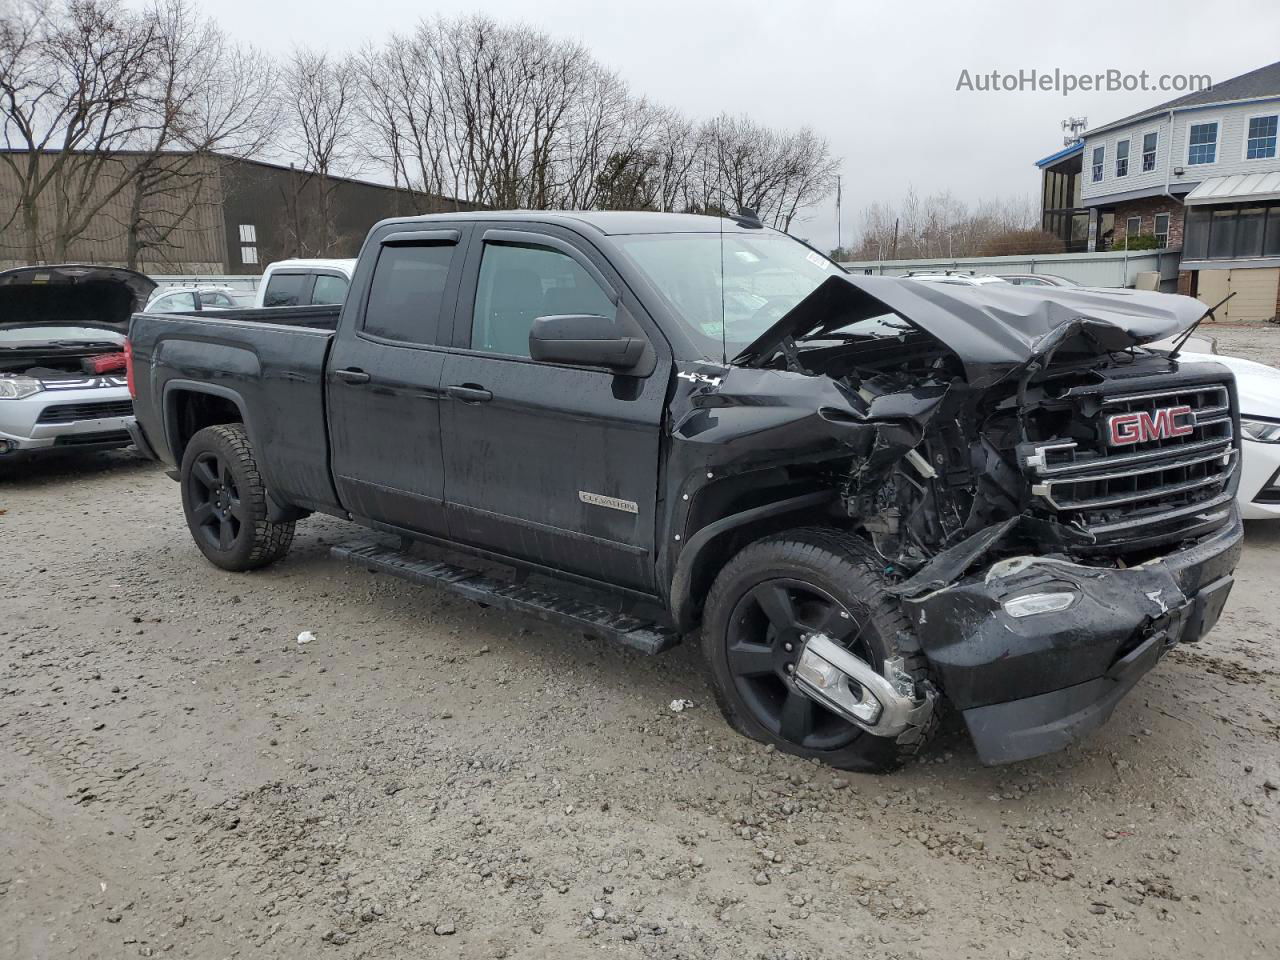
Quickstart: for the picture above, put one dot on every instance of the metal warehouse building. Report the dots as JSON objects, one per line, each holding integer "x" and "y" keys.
{"x": 204, "y": 214}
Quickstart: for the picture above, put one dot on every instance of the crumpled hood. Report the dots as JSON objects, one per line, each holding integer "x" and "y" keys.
{"x": 72, "y": 294}
{"x": 993, "y": 328}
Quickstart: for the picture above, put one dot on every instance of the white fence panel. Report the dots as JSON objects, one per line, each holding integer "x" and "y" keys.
{"x": 1114, "y": 268}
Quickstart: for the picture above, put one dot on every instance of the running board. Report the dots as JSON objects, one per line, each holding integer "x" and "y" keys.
{"x": 643, "y": 635}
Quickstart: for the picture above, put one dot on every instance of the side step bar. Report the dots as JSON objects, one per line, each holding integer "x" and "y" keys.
{"x": 642, "y": 635}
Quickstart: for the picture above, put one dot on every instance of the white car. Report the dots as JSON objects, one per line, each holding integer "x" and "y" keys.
{"x": 958, "y": 279}
{"x": 192, "y": 299}
{"x": 297, "y": 283}
{"x": 63, "y": 381}
{"x": 1258, "y": 387}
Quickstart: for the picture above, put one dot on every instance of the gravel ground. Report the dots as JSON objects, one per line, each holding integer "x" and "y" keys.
{"x": 430, "y": 778}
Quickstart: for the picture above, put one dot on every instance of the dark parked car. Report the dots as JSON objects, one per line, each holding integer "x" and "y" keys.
{"x": 867, "y": 494}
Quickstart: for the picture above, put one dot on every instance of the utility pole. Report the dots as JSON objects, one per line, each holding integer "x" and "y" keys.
{"x": 894, "y": 254}
{"x": 839, "y": 232}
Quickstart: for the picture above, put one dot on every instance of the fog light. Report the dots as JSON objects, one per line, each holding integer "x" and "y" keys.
{"x": 5, "y": 446}
{"x": 1033, "y": 603}
{"x": 828, "y": 684}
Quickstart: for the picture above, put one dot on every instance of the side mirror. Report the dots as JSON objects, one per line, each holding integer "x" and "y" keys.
{"x": 584, "y": 339}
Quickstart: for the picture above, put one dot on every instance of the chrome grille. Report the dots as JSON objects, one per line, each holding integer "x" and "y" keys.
{"x": 1169, "y": 484}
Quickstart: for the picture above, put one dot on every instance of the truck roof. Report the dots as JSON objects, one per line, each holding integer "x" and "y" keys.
{"x": 611, "y": 222}
{"x": 300, "y": 263}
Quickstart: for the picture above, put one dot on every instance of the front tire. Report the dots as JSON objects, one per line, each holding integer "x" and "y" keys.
{"x": 225, "y": 501}
{"x": 765, "y": 599}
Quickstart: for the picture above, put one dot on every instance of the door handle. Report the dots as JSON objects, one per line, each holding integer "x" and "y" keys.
{"x": 352, "y": 375}
{"x": 469, "y": 392}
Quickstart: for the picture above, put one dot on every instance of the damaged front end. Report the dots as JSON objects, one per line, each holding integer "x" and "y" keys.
{"x": 1052, "y": 503}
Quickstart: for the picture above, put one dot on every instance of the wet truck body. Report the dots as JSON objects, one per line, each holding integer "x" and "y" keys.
{"x": 869, "y": 496}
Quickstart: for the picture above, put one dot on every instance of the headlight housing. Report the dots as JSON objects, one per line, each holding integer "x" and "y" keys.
{"x": 1263, "y": 431}
{"x": 15, "y": 388}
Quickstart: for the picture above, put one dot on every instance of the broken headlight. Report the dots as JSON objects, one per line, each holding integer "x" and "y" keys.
{"x": 1029, "y": 604}
{"x": 1263, "y": 431}
{"x": 17, "y": 388}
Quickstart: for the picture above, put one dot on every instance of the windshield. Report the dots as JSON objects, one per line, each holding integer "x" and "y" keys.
{"x": 765, "y": 275}
{"x": 24, "y": 336}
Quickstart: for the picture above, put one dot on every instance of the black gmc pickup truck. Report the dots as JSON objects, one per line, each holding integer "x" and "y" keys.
{"x": 870, "y": 496}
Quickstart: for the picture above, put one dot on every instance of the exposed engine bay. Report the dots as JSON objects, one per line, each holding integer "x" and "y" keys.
{"x": 960, "y": 447}
{"x": 1007, "y": 455}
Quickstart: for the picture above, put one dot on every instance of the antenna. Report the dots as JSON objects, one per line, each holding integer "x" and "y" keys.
{"x": 1076, "y": 126}
{"x": 839, "y": 232}
{"x": 724, "y": 344}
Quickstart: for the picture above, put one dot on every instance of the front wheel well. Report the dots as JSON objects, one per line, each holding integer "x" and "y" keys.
{"x": 695, "y": 575}
{"x": 190, "y": 411}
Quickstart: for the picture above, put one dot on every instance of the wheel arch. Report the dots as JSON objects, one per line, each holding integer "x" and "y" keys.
{"x": 189, "y": 406}
{"x": 708, "y": 550}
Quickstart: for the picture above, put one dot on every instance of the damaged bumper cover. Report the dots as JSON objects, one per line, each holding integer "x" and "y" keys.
{"x": 1036, "y": 652}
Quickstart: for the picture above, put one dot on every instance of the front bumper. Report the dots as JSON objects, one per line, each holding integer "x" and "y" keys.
{"x": 1259, "y": 492}
{"x": 34, "y": 425}
{"x": 1031, "y": 685}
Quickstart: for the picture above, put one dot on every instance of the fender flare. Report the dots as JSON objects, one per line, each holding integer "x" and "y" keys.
{"x": 276, "y": 511}
{"x": 681, "y": 599}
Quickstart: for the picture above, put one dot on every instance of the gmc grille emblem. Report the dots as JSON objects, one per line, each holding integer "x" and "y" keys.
{"x": 1126, "y": 428}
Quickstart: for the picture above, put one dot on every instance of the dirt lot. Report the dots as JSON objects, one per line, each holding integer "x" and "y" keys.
{"x": 429, "y": 778}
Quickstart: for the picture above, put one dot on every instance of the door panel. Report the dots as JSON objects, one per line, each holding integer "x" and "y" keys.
{"x": 384, "y": 386}
{"x": 528, "y": 471}
{"x": 558, "y": 464}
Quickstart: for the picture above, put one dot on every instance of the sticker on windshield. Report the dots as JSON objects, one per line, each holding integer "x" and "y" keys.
{"x": 818, "y": 260}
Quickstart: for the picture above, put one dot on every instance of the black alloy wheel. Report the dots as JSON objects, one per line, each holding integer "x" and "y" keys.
{"x": 766, "y": 601}
{"x": 218, "y": 516}
{"x": 766, "y": 633}
{"x": 226, "y": 502}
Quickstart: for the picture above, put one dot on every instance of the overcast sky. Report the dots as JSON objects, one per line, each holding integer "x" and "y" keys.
{"x": 878, "y": 80}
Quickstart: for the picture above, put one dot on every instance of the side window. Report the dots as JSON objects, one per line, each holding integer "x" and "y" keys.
{"x": 212, "y": 298}
{"x": 284, "y": 290}
{"x": 329, "y": 289}
{"x": 175, "y": 303}
{"x": 406, "y": 292}
{"x": 519, "y": 284}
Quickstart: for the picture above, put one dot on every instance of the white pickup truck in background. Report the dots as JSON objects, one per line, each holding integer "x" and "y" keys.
{"x": 300, "y": 283}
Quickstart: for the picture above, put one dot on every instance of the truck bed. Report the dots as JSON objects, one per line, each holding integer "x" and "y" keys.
{"x": 323, "y": 317}
{"x": 269, "y": 362}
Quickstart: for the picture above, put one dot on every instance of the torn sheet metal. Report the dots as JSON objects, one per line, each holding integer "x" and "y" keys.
{"x": 982, "y": 654}
{"x": 993, "y": 329}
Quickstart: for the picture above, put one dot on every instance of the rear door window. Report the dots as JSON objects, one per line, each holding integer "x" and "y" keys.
{"x": 285, "y": 290}
{"x": 406, "y": 295}
{"x": 329, "y": 289}
{"x": 175, "y": 303}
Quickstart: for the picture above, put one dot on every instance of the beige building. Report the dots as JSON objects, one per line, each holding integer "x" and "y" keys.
{"x": 193, "y": 214}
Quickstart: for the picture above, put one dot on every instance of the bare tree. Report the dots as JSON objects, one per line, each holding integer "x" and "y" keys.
{"x": 205, "y": 99}
{"x": 69, "y": 82}
{"x": 318, "y": 101}
{"x": 942, "y": 226}
{"x": 776, "y": 174}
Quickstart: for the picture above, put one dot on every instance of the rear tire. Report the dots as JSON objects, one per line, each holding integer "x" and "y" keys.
{"x": 225, "y": 501}
{"x": 760, "y": 605}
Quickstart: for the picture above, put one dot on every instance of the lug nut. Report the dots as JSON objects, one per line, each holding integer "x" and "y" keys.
{"x": 791, "y": 668}
{"x": 787, "y": 647}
